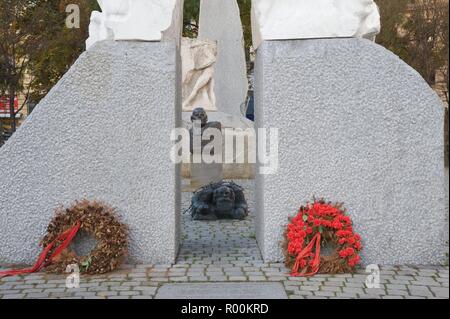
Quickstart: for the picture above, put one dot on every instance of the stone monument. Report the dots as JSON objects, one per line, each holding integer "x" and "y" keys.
{"x": 367, "y": 132}
{"x": 96, "y": 136}
{"x": 220, "y": 21}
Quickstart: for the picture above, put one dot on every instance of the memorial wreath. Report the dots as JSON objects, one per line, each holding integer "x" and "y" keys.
{"x": 94, "y": 219}
{"x": 321, "y": 224}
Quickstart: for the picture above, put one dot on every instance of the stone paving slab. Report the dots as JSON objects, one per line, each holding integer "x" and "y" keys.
{"x": 147, "y": 281}
{"x": 222, "y": 291}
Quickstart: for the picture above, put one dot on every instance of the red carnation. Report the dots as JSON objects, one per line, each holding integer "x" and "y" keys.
{"x": 343, "y": 253}
{"x": 337, "y": 225}
{"x": 354, "y": 261}
{"x": 326, "y": 223}
{"x": 350, "y": 251}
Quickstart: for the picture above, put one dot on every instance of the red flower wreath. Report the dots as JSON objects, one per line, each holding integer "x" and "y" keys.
{"x": 317, "y": 224}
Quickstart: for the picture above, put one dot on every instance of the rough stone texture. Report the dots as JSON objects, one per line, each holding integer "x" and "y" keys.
{"x": 220, "y": 21}
{"x": 359, "y": 126}
{"x": 447, "y": 228}
{"x": 222, "y": 291}
{"x": 103, "y": 132}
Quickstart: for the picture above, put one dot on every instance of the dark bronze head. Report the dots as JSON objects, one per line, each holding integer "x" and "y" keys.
{"x": 224, "y": 198}
{"x": 199, "y": 114}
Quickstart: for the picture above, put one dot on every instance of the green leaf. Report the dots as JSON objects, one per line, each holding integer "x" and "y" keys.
{"x": 305, "y": 218}
{"x": 321, "y": 229}
{"x": 86, "y": 264}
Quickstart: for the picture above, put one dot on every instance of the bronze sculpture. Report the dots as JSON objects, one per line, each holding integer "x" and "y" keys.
{"x": 219, "y": 199}
{"x": 222, "y": 200}
{"x": 199, "y": 116}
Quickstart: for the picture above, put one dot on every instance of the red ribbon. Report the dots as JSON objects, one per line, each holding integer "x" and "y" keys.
{"x": 66, "y": 238}
{"x": 306, "y": 251}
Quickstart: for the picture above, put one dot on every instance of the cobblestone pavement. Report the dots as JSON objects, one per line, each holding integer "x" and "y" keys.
{"x": 226, "y": 251}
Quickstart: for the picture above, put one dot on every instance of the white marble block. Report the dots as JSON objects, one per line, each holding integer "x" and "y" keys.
{"x": 138, "y": 20}
{"x": 220, "y": 21}
{"x": 306, "y": 19}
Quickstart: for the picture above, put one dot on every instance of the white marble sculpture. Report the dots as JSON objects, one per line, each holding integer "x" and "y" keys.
{"x": 139, "y": 20}
{"x": 97, "y": 29}
{"x": 198, "y": 57}
{"x": 306, "y": 19}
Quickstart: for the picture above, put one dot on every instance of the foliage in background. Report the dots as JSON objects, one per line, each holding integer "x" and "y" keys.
{"x": 21, "y": 25}
{"x": 63, "y": 45}
{"x": 245, "y": 7}
{"x": 417, "y": 31}
{"x": 393, "y": 19}
{"x": 36, "y": 48}
{"x": 190, "y": 18}
{"x": 426, "y": 25}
